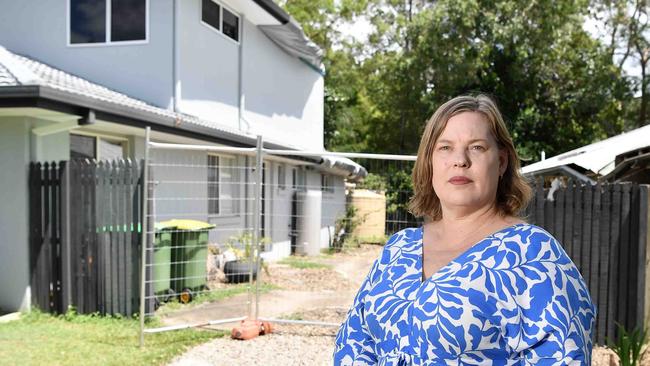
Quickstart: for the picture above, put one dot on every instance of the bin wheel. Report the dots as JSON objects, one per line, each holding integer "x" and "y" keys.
{"x": 185, "y": 296}
{"x": 169, "y": 295}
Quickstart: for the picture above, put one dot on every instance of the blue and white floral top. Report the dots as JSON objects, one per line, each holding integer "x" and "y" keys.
{"x": 514, "y": 298}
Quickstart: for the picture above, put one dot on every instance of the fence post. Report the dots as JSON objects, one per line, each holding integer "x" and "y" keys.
{"x": 144, "y": 229}
{"x": 66, "y": 275}
{"x": 643, "y": 310}
{"x": 259, "y": 161}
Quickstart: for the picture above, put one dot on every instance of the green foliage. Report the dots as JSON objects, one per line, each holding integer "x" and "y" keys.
{"x": 373, "y": 182}
{"x": 344, "y": 227}
{"x": 628, "y": 345}
{"x": 557, "y": 86}
{"x": 70, "y": 339}
{"x": 242, "y": 245}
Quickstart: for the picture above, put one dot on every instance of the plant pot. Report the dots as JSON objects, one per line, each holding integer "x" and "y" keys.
{"x": 239, "y": 271}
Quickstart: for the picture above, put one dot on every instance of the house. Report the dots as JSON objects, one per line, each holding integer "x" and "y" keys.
{"x": 83, "y": 78}
{"x": 624, "y": 157}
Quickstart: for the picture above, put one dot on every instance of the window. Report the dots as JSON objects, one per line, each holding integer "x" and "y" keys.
{"x": 230, "y": 25}
{"x": 211, "y": 14}
{"x": 220, "y": 19}
{"x": 97, "y": 147}
{"x": 294, "y": 182}
{"x": 282, "y": 176}
{"x": 326, "y": 183}
{"x": 107, "y": 21}
{"x": 221, "y": 185}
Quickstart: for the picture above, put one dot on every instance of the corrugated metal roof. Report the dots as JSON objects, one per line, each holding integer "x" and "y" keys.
{"x": 598, "y": 157}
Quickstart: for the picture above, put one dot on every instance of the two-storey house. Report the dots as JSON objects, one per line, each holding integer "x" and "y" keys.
{"x": 83, "y": 78}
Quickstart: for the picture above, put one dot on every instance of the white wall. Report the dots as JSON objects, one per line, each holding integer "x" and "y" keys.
{"x": 284, "y": 97}
{"x": 38, "y": 29}
{"x": 208, "y": 63}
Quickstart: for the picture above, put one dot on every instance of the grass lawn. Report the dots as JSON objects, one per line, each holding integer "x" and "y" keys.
{"x": 301, "y": 263}
{"x": 214, "y": 295}
{"x": 43, "y": 339}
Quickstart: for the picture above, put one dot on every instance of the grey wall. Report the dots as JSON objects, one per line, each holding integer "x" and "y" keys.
{"x": 181, "y": 192}
{"x": 18, "y": 146}
{"x": 14, "y": 249}
{"x": 38, "y": 29}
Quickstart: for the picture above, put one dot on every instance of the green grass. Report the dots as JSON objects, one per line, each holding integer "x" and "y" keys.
{"x": 298, "y": 262}
{"x": 213, "y": 295}
{"x": 43, "y": 339}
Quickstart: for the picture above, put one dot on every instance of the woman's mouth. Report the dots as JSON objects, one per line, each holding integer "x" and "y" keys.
{"x": 459, "y": 180}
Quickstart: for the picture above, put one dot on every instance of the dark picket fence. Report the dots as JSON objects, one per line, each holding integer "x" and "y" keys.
{"x": 604, "y": 229}
{"x": 85, "y": 236}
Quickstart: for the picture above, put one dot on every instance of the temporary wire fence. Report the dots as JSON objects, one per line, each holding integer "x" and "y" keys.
{"x": 216, "y": 218}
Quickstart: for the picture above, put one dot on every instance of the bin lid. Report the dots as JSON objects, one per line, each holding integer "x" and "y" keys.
{"x": 164, "y": 225}
{"x": 183, "y": 224}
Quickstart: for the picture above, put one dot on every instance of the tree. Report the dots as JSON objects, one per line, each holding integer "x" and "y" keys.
{"x": 625, "y": 24}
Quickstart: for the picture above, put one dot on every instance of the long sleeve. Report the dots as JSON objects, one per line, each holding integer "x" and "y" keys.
{"x": 354, "y": 344}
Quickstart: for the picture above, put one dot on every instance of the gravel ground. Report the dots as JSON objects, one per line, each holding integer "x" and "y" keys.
{"x": 287, "y": 345}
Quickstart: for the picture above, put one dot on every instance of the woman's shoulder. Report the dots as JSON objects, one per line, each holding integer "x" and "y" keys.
{"x": 404, "y": 237}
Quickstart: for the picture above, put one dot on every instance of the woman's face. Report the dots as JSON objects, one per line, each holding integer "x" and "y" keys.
{"x": 467, "y": 163}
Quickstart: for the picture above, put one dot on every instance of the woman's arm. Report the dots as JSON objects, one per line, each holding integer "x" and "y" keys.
{"x": 354, "y": 344}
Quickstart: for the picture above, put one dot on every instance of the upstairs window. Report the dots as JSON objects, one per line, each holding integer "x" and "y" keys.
{"x": 107, "y": 21}
{"x": 220, "y": 19}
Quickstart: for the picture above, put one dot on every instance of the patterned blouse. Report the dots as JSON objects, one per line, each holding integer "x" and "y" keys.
{"x": 514, "y": 298}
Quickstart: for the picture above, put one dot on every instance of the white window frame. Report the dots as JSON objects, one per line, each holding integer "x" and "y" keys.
{"x": 234, "y": 192}
{"x": 220, "y": 30}
{"x": 100, "y": 136}
{"x": 108, "y": 42}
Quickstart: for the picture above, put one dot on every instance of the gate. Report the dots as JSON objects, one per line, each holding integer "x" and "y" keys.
{"x": 84, "y": 236}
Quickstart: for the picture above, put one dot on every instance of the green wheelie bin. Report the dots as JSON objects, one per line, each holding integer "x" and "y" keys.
{"x": 162, "y": 259}
{"x": 189, "y": 256}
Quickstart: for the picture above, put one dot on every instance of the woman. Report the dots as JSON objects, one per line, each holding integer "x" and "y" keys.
{"x": 475, "y": 285}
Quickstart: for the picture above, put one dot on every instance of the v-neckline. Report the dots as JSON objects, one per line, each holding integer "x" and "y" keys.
{"x": 420, "y": 262}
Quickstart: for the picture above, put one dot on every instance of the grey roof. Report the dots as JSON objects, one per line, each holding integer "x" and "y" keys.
{"x": 18, "y": 72}
{"x": 6, "y": 78}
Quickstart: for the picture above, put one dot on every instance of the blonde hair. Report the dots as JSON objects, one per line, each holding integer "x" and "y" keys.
{"x": 513, "y": 192}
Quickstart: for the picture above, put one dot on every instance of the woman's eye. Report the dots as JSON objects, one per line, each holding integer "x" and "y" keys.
{"x": 478, "y": 148}
{"x": 444, "y": 147}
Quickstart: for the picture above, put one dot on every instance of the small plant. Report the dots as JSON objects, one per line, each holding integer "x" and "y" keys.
{"x": 628, "y": 346}
{"x": 344, "y": 227}
{"x": 242, "y": 245}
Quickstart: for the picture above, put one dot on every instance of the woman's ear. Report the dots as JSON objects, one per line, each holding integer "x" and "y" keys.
{"x": 503, "y": 161}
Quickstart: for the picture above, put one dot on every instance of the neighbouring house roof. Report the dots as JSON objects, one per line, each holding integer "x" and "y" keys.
{"x": 598, "y": 158}
{"x": 27, "y": 82}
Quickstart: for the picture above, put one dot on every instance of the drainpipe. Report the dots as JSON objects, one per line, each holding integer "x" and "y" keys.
{"x": 242, "y": 97}
{"x": 175, "y": 54}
